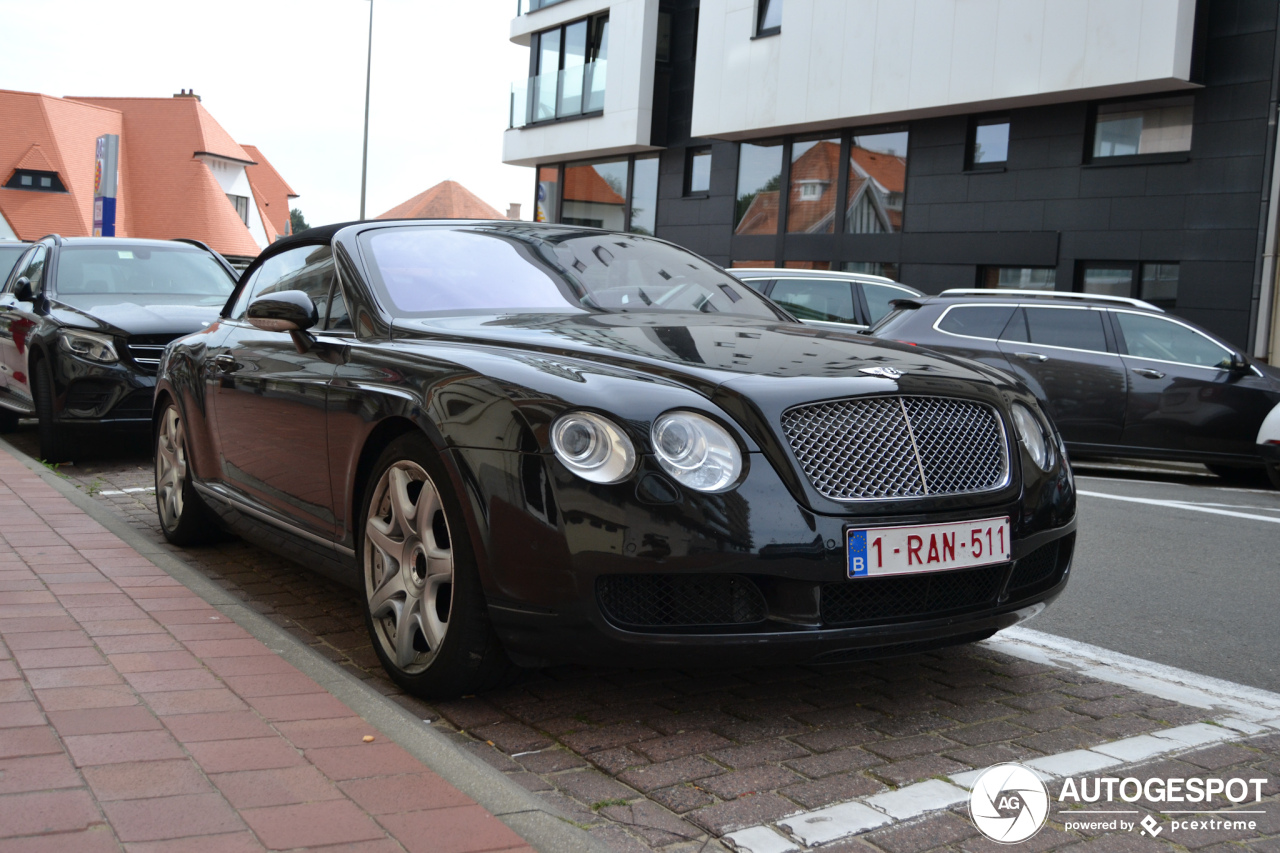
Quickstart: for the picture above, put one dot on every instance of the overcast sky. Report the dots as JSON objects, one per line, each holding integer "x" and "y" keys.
{"x": 288, "y": 76}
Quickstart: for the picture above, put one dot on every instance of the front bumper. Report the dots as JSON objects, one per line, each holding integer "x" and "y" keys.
{"x": 110, "y": 395}
{"x": 627, "y": 575}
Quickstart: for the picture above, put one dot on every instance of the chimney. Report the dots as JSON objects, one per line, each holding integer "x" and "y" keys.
{"x": 187, "y": 93}
{"x": 513, "y": 211}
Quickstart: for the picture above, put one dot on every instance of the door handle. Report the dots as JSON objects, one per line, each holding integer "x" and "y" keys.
{"x": 1031, "y": 356}
{"x": 224, "y": 362}
{"x": 1148, "y": 372}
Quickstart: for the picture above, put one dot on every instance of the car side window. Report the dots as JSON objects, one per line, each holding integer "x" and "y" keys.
{"x": 35, "y": 269}
{"x": 977, "y": 321}
{"x": 306, "y": 268}
{"x": 1155, "y": 337}
{"x": 339, "y": 320}
{"x": 1077, "y": 328}
{"x": 19, "y": 269}
{"x": 879, "y": 297}
{"x": 812, "y": 299}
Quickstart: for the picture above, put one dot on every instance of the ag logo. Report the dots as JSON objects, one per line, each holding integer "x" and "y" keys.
{"x": 1008, "y": 803}
{"x": 886, "y": 372}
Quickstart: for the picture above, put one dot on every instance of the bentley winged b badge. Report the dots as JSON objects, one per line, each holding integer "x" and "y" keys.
{"x": 886, "y": 372}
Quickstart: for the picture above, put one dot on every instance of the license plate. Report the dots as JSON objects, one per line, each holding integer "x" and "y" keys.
{"x": 880, "y": 551}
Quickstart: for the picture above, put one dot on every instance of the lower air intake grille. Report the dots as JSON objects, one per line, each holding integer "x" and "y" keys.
{"x": 1042, "y": 568}
{"x": 675, "y": 601}
{"x": 923, "y": 596}
{"x": 898, "y": 447}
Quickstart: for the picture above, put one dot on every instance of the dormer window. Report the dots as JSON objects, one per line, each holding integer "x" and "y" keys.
{"x": 811, "y": 190}
{"x": 32, "y": 179}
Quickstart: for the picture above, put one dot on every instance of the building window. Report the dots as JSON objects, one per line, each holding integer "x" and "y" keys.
{"x": 595, "y": 194}
{"x": 546, "y": 206}
{"x": 1018, "y": 278}
{"x": 241, "y": 204}
{"x": 1108, "y": 278}
{"x": 644, "y": 196}
{"x": 1135, "y": 128}
{"x": 768, "y": 17}
{"x": 697, "y": 170}
{"x": 759, "y": 178}
{"x": 887, "y": 270}
{"x": 1159, "y": 285}
{"x": 567, "y": 65}
{"x": 988, "y": 146}
{"x": 620, "y": 195}
{"x": 39, "y": 181}
{"x": 877, "y": 182}
{"x": 815, "y": 169}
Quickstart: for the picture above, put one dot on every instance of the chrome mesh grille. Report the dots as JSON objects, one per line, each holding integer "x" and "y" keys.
{"x": 898, "y": 447}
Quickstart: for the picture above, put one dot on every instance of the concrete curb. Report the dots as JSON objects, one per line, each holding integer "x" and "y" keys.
{"x": 531, "y": 818}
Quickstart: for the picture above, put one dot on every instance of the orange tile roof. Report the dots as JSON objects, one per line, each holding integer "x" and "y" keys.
{"x": 65, "y": 134}
{"x": 35, "y": 160}
{"x": 167, "y": 191}
{"x": 889, "y": 170}
{"x": 271, "y": 192}
{"x": 819, "y": 163}
{"x": 446, "y": 200}
{"x": 584, "y": 183}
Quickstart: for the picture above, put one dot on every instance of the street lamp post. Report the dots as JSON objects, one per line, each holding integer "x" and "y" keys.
{"x": 364, "y": 158}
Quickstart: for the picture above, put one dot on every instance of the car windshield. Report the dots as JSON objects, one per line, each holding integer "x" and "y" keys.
{"x": 8, "y": 257}
{"x": 424, "y": 270}
{"x": 134, "y": 273}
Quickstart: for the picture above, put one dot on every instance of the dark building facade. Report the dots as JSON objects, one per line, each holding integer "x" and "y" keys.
{"x": 1154, "y": 182}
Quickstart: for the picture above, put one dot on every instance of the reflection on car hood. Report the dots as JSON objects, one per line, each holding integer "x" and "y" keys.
{"x": 709, "y": 349}
{"x": 156, "y": 315}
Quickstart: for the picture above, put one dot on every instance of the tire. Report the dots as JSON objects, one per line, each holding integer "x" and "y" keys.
{"x": 1273, "y": 474}
{"x": 424, "y": 607}
{"x": 53, "y": 442}
{"x": 185, "y": 519}
{"x": 8, "y": 421}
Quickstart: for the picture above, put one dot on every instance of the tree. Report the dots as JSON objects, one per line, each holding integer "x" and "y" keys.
{"x": 297, "y": 222}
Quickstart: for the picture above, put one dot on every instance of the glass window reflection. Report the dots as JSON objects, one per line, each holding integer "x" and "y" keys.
{"x": 595, "y": 194}
{"x": 815, "y": 168}
{"x": 877, "y": 183}
{"x": 990, "y": 143}
{"x": 759, "y": 178}
{"x": 769, "y": 17}
{"x": 1153, "y": 126}
{"x": 644, "y": 196}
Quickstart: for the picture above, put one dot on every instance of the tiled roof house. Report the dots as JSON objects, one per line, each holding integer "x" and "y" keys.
{"x": 180, "y": 173}
{"x": 446, "y": 200}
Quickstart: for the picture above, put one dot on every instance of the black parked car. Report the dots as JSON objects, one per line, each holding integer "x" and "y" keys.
{"x": 1120, "y": 377}
{"x": 819, "y": 297}
{"x": 548, "y": 443}
{"x": 83, "y": 322}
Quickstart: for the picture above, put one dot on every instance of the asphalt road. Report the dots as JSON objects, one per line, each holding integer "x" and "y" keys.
{"x": 1167, "y": 576}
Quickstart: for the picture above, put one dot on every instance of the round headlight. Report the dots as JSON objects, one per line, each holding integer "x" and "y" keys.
{"x": 593, "y": 447}
{"x": 1032, "y": 436}
{"x": 696, "y": 451}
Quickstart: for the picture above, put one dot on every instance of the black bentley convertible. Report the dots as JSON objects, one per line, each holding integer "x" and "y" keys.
{"x": 539, "y": 443}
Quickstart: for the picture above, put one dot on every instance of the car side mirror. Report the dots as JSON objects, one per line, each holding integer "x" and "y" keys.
{"x": 286, "y": 311}
{"x": 22, "y": 290}
{"x": 289, "y": 311}
{"x": 1238, "y": 363}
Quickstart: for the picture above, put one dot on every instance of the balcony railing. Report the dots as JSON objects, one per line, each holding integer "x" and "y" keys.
{"x": 558, "y": 94}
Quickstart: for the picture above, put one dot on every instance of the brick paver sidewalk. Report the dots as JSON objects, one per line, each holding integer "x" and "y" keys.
{"x": 135, "y": 716}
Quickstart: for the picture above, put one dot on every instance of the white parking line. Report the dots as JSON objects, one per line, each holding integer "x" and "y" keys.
{"x": 130, "y": 491}
{"x": 1193, "y": 507}
{"x": 1176, "y": 485}
{"x": 1250, "y": 711}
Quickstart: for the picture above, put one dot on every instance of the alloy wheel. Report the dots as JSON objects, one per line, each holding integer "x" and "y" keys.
{"x": 171, "y": 468}
{"x": 408, "y": 566}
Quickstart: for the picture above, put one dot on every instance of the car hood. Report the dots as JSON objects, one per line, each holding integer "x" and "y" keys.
{"x": 708, "y": 351}
{"x": 151, "y": 315}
